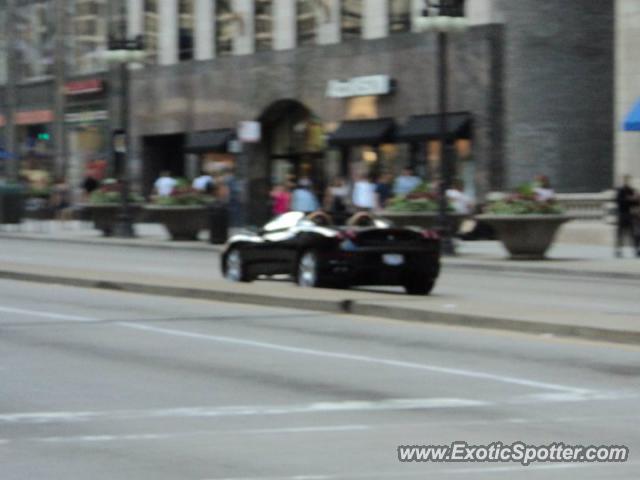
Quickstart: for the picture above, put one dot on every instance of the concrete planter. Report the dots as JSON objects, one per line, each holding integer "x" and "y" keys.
{"x": 182, "y": 222}
{"x": 104, "y": 217}
{"x": 426, "y": 220}
{"x": 526, "y": 237}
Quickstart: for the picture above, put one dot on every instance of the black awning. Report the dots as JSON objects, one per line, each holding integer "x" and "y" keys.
{"x": 363, "y": 132}
{"x": 209, "y": 141}
{"x": 427, "y": 127}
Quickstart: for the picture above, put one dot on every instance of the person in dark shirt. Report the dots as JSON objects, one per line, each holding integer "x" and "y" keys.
{"x": 627, "y": 202}
{"x": 384, "y": 189}
{"x": 89, "y": 185}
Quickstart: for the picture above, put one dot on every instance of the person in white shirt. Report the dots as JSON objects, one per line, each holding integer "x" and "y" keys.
{"x": 542, "y": 189}
{"x": 165, "y": 184}
{"x": 406, "y": 182}
{"x": 203, "y": 183}
{"x": 459, "y": 200}
{"x": 364, "y": 194}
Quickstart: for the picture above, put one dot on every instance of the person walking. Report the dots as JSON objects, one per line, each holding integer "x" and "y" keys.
{"x": 364, "y": 194}
{"x": 406, "y": 182}
{"x": 336, "y": 199}
{"x": 164, "y": 185}
{"x": 384, "y": 189}
{"x": 627, "y": 203}
{"x": 303, "y": 199}
{"x": 280, "y": 199}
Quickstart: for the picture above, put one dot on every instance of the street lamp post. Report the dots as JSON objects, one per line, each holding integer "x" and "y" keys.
{"x": 122, "y": 51}
{"x": 444, "y": 17}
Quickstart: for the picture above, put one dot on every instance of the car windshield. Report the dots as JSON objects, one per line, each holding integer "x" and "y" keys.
{"x": 284, "y": 221}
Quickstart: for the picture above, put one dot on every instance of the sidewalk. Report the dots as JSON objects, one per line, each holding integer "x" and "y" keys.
{"x": 564, "y": 259}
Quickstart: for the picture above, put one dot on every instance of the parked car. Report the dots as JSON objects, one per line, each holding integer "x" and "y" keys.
{"x": 317, "y": 253}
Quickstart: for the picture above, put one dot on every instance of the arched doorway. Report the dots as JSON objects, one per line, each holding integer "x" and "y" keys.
{"x": 293, "y": 142}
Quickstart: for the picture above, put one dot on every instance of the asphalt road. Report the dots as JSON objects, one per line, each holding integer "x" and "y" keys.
{"x": 612, "y": 297}
{"x": 106, "y": 385}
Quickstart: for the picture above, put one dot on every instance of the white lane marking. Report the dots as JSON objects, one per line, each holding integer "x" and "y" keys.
{"x": 53, "y": 316}
{"x": 360, "y": 358}
{"x": 170, "y": 436}
{"x": 536, "y": 466}
{"x": 244, "y": 410}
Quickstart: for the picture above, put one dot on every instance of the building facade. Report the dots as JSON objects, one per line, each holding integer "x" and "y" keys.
{"x": 533, "y": 81}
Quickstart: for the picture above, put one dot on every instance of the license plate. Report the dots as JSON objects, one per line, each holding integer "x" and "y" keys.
{"x": 393, "y": 259}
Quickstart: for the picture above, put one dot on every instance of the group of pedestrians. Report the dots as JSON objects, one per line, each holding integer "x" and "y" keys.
{"x": 364, "y": 193}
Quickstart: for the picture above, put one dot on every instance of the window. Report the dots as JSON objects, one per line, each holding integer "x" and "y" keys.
{"x": 151, "y": 29}
{"x": 264, "y": 25}
{"x": 185, "y": 30}
{"x": 225, "y": 24}
{"x": 88, "y": 36}
{"x": 399, "y": 16}
{"x": 306, "y": 22}
{"x": 34, "y": 40}
{"x": 351, "y": 19}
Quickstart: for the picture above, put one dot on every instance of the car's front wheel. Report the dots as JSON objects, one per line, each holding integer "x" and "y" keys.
{"x": 308, "y": 274}
{"x": 419, "y": 285}
{"x": 234, "y": 267}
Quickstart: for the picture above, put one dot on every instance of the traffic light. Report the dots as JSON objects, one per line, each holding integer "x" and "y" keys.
{"x": 44, "y": 137}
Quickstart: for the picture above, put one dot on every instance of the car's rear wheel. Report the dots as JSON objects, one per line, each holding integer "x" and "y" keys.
{"x": 308, "y": 272}
{"x": 419, "y": 285}
{"x": 234, "y": 267}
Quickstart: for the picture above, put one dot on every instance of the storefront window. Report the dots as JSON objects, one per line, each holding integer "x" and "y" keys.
{"x": 186, "y": 30}
{"x": 151, "y": 29}
{"x": 225, "y": 20}
{"x": 3, "y": 44}
{"x": 35, "y": 40}
{"x": 399, "y": 16}
{"x": 306, "y": 22}
{"x": 88, "y": 36}
{"x": 264, "y": 25}
{"x": 351, "y": 19}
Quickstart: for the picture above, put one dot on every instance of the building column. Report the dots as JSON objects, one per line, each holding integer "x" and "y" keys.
{"x": 168, "y": 32}
{"x": 375, "y": 21}
{"x": 204, "y": 26}
{"x": 244, "y": 39}
{"x": 328, "y": 22}
{"x": 284, "y": 24}
{"x": 135, "y": 15}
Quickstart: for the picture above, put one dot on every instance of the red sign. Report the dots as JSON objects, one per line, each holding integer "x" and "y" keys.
{"x": 82, "y": 87}
{"x": 34, "y": 117}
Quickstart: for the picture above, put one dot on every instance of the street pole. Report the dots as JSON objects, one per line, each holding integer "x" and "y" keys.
{"x": 448, "y": 247}
{"x": 59, "y": 99}
{"x": 12, "y": 172}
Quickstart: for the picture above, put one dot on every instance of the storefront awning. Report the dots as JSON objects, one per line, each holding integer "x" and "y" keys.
{"x": 363, "y": 132}
{"x": 632, "y": 122}
{"x": 209, "y": 141}
{"x": 427, "y": 127}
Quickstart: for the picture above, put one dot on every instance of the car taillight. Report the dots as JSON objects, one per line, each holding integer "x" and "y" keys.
{"x": 430, "y": 234}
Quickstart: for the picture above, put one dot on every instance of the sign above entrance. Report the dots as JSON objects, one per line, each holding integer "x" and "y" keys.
{"x": 360, "y": 86}
{"x": 249, "y": 132}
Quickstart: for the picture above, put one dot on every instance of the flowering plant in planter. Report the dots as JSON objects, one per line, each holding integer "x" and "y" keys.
{"x": 184, "y": 195}
{"x": 110, "y": 193}
{"x": 524, "y": 201}
{"x": 421, "y": 199}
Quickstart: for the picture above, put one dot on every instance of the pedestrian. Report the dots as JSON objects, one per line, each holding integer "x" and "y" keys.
{"x": 60, "y": 200}
{"x": 364, "y": 194}
{"x": 280, "y": 199}
{"x": 165, "y": 184}
{"x": 627, "y": 202}
{"x": 542, "y": 189}
{"x": 384, "y": 189}
{"x": 203, "y": 183}
{"x": 406, "y": 182}
{"x": 89, "y": 185}
{"x": 458, "y": 199}
{"x": 303, "y": 199}
{"x": 336, "y": 199}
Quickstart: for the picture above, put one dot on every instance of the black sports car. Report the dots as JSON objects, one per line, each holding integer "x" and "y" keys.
{"x": 316, "y": 253}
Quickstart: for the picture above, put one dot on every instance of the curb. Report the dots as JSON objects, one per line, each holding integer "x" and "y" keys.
{"x": 462, "y": 264}
{"x": 344, "y": 306}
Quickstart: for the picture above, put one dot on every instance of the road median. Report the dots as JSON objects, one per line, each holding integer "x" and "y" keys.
{"x": 428, "y": 310}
